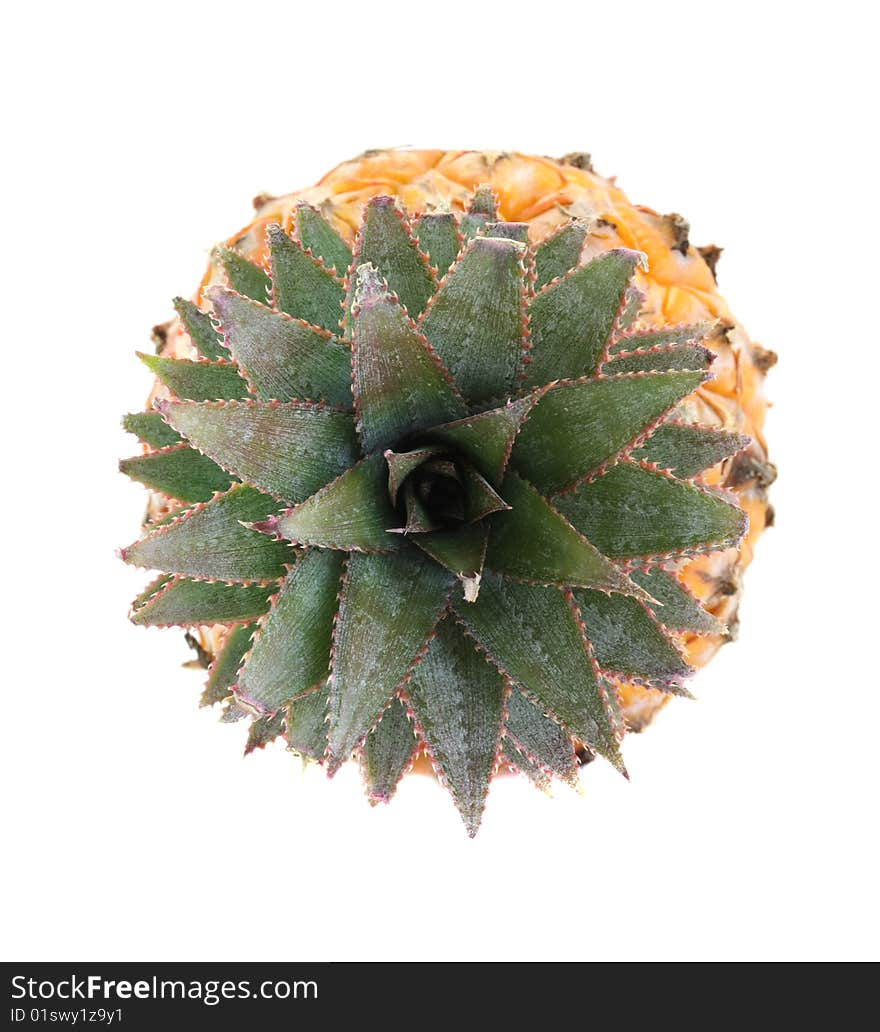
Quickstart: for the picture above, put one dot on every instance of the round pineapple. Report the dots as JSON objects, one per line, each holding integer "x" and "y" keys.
{"x": 405, "y": 299}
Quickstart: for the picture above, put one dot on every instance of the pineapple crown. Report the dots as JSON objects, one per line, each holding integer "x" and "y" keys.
{"x": 433, "y": 488}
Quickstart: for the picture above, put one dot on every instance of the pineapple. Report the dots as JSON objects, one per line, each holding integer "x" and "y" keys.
{"x": 454, "y": 456}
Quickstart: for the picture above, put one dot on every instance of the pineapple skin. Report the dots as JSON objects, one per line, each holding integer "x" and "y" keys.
{"x": 679, "y": 287}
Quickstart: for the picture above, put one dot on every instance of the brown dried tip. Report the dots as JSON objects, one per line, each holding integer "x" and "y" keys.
{"x": 763, "y": 358}
{"x": 159, "y": 335}
{"x": 579, "y": 159}
{"x": 261, "y": 199}
{"x": 711, "y": 253}
{"x": 746, "y": 467}
{"x": 680, "y": 229}
{"x": 204, "y": 658}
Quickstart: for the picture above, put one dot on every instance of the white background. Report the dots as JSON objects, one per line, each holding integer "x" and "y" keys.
{"x": 135, "y": 136}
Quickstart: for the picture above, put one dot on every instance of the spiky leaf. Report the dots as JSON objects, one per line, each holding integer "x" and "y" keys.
{"x": 438, "y": 237}
{"x": 291, "y": 655}
{"x": 283, "y": 359}
{"x": 200, "y": 329}
{"x": 664, "y": 337}
{"x": 531, "y": 633}
{"x": 486, "y": 439}
{"x": 681, "y": 356}
{"x": 264, "y": 730}
{"x": 533, "y": 542}
{"x": 318, "y": 236}
{"x": 571, "y": 320}
{"x": 462, "y": 551}
{"x": 389, "y": 605}
{"x": 307, "y": 725}
{"x": 578, "y": 427}
{"x": 559, "y": 252}
{"x": 388, "y": 750}
{"x": 518, "y": 231}
{"x": 209, "y": 542}
{"x": 351, "y": 512}
{"x": 179, "y": 472}
{"x": 188, "y": 603}
{"x": 678, "y": 609}
{"x": 399, "y": 384}
{"x": 224, "y": 670}
{"x": 151, "y": 428}
{"x": 540, "y": 738}
{"x": 519, "y": 761}
{"x": 197, "y": 381}
{"x": 386, "y": 242}
{"x": 401, "y": 464}
{"x": 288, "y": 449}
{"x": 688, "y": 450}
{"x": 626, "y": 640}
{"x": 475, "y": 321}
{"x": 457, "y": 697}
{"x": 632, "y": 512}
{"x": 304, "y": 288}
{"x": 244, "y": 277}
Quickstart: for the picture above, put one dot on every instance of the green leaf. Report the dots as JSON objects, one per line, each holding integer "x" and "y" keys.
{"x": 245, "y": 277}
{"x": 401, "y": 464}
{"x": 307, "y": 725}
{"x": 559, "y": 252}
{"x": 291, "y": 654}
{"x": 486, "y": 439}
{"x": 457, "y": 697}
{"x": 632, "y": 512}
{"x": 318, "y": 236}
{"x": 540, "y": 738}
{"x": 190, "y": 603}
{"x": 304, "y": 288}
{"x": 472, "y": 224}
{"x": 200, "y": 329}
{"x": 484, "y": 202}
{"x": 438, "y": 237}
{"x": 668, "y": 335}
{"x": 283, "y": 358}
{"x": 522, "y": 763}
{"x": 151, "y": 428}
{"x": 678, "y": 609}
{"x": 179, "y": 472}
{"x": 682, "y": 356}
{"x": 578, "y": 427}
{"x": 385, "y": 241}
{"x": 389, "y": 606}
{"x": 518, "y": 231}
{"x": 288, "y": 449}
{"x": 688, "y": 450}
{"x": 264, "y": 730}
{"x": 224, "y": 670}
{"x": 418, "y": 519}
{"x": 571, "y": 319}
{"x": 151, "y": 590}
{"x": 351, "y": 512}
{"x": 475, "y": 322}
{"x": 399, "y": 384}
{"x": 626, "y": 640}
{"x": 209, "y": 542}
{"x": 533, "y": 542}
{"x": 462, "y": 551}
{"x": 388, "y": 750}
{"x": 633, "y": 300}
{"x": 196, "y": 381}
{"x": 532, "y": 635}
{"x": 480, "y": 498}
